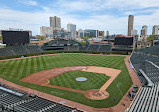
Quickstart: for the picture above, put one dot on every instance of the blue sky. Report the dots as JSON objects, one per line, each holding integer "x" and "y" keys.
{"x": 104, "y": 15}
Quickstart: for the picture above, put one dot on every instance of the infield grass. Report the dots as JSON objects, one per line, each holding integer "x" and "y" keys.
{"x": 68, "y": 80}
{"x": 15, "y": 70}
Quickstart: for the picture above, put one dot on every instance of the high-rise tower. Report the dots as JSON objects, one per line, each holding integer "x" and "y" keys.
{"x": 55, "y": 23}
{"x": 144, "y": 31}
{"x": 130, "y": 24}
{"x": 155, "y": 30}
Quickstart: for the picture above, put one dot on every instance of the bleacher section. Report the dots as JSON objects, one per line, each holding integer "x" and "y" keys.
{"x": 39, "y": 104}
{"x": 57, "y": 45}
{"x": 71, "y": 45}
{"x": 146, "y": 65}
{"x": 154, "y": 50}
{"x": 12, "y": 102}
{"x": 62, "y": 42}
{"x": 33, "y": 48}
{"x": 147, "y": 100}
{"x": 104, "y": 48}
{"x": 151, "y": 71}
{"x": 20, "y": 50}
{"x": 83, "y": 48}
{"x": 142, "y": 61}
{"x": 6, "y": 51}
{"x": 73, "y": 48}
{"x": 92, "y": 47}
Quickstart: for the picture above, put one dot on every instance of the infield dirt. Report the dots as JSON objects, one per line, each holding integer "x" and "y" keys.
{"x": 42, "y": 78}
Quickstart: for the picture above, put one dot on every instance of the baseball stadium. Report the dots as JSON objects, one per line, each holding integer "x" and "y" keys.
{"x": 65, "y": 76}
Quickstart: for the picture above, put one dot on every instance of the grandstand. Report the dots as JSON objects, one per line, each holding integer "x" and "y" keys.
{"x": 151, "y": 71}
{"x": 60, "y": 45}
{"x": 16, "y": 101}
{"x": 71, "y": 45}
{"x": 18, "y": 44}
{"x": 147, "y": 100}
{"x": 62, "y": 42}
{"x": 145, "y": 64}
{"x": 20, "y": 50}
{"x": 151, "y": 50}
{"x": 83, "y": 48}
{"x": 6, "y": 52}
{"x": 93, "y": 48}
{"x": 73, "y": 48}
{"x": 104, "y": 48}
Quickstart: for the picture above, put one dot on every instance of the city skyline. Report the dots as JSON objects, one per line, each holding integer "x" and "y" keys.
{"x": 97, "y": 14}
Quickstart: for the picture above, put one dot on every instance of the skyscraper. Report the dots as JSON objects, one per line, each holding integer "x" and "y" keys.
{"x": 72, "y": 28}
{"x": 130, "y": 24}
{"x": 155, "y": 30}
{"x": 144, "y": 31}
{"x": 55, "y": 23}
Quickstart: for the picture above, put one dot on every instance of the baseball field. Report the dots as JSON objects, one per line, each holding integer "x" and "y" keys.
{"x": 16, "y": 70}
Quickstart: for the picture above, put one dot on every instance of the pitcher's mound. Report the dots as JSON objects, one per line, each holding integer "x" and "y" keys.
{"x": 96, "y": 94}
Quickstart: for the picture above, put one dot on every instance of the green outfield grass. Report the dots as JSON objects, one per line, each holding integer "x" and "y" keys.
{"x": 68, "y": 79}
{"x": 17, "y": 69}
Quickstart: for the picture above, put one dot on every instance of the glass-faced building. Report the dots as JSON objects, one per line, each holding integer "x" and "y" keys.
{"x": 93, "y": 33}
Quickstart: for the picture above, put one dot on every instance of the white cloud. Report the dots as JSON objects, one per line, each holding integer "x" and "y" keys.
{"x": 99, "y": 5}
{"x": 80, "y": 5}
{"x": 23, "y": 20}
{"x": 29, "y": 2}
{"x": 131, "y": 4}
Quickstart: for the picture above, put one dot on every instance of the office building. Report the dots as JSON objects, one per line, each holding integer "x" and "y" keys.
{"x": 93, "y": 33}
{"x": 46, "y": 31}
{"x": 55, "y": 23}
{"x": 143, "y": 44}
{"x": 107, "y": 33}
{"x": 144, "y": 31}
{"x": 72, "y": 28}
{"x": 101, "y": 34}
{"x": 83, "y": 33}
{"x": 80, "y": 33}
{"x": 155, "y": 30}
{"x": 130, "y": 24}
{"x": 88, "y": 32}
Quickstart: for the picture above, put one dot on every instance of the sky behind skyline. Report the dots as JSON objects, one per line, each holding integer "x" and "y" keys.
{"x": 104, "y": 15}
